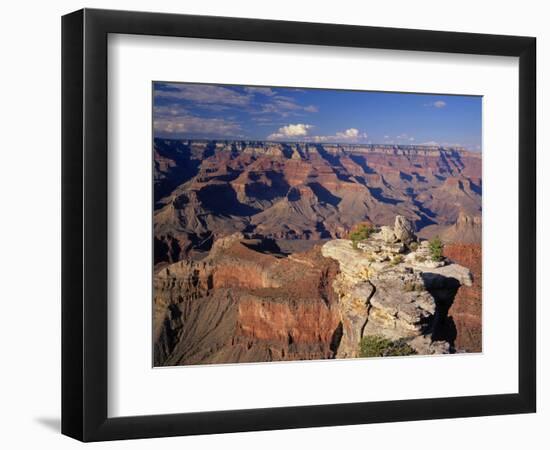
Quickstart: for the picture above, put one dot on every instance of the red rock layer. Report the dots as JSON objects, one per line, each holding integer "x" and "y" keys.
{"x": 240, "y": 305}
{"x": 466, "y": 308}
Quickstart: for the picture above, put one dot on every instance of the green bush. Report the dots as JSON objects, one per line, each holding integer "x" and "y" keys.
{"x": 374, "y": 346}
{"x": 436, "y": 249}
{"x": 360, "y": 233}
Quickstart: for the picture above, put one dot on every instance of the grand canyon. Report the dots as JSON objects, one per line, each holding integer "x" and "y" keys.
{"x": 257, "y": 256}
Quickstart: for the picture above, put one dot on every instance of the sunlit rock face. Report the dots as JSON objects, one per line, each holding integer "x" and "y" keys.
{"x": 243, "y": 305}
{"x": 466, "y": 309}
{"x": 389, "y": 286}
{"x": 205, "y": 190}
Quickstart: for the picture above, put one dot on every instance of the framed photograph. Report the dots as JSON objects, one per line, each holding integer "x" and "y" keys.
{"x": 273, "y": 224}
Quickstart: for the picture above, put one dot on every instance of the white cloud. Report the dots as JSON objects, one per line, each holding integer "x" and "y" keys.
{"x": 176, "y": 121}
{"x": 430, "y": 144}
{"x": 437, "y": 104}
{"x": 351, "y": 135}
{"x": 285, "y": 106}
{"x": 300, "y": 132}
{"x": 411, "y": 139}
{"x": 298, "y": 129}
{"x": 194, "y": 126}
{"x": 170, "y": 110}
{"x": 220, "y": 98}
{"x": 291, "y": 131}
{"x": 205, "y": 94}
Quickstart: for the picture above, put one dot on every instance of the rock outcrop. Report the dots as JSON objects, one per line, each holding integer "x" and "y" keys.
{"x": 390, "y": 288}
{"x": 404, "y": 230}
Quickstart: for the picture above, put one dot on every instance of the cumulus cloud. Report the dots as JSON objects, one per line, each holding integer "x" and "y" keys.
{"x": 300, "y": 132}
{"x": 351, "y": 135}
{"x": 290, "y": 131}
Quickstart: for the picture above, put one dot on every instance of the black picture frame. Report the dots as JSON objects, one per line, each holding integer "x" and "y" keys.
{"x": 84, "y": 224}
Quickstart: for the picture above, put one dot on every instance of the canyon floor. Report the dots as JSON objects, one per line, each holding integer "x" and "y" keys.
{"x": 253, "y": 264}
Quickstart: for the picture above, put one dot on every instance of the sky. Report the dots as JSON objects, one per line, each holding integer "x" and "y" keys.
{"x": 208, "y": 111}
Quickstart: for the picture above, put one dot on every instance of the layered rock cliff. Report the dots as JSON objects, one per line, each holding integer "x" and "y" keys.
{"x": 465, "y": 312}
{"x": 242, "y": 305}
{"x": 205, "y": 190}
{"x": 389, "y": 287}
{"x": 247, "y": 302}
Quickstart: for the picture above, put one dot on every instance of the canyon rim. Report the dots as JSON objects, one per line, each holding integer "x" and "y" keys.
{"x": 306, "y": 224}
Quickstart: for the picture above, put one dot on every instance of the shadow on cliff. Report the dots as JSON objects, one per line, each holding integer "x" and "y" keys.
{"x": 443, "y": 290}
{"x": 336, "y": 339}
{"x": 265, "y": 245}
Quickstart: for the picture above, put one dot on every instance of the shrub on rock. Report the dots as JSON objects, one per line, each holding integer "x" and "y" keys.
{"x": 360, "y": 232}
{"x": 436, "y": 249}
{"x": 374, "y": 346}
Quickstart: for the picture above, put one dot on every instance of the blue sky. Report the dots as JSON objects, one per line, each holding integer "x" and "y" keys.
{"x": 206, "y": 111}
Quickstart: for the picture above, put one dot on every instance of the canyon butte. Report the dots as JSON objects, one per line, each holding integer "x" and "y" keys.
{"x": 253, "y": 261}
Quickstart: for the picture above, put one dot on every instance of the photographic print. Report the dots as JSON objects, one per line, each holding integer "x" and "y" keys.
{"x": 309, "y": 224}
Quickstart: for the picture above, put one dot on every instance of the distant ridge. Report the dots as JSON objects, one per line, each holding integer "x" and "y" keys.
{"x": 342, "y": 145}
